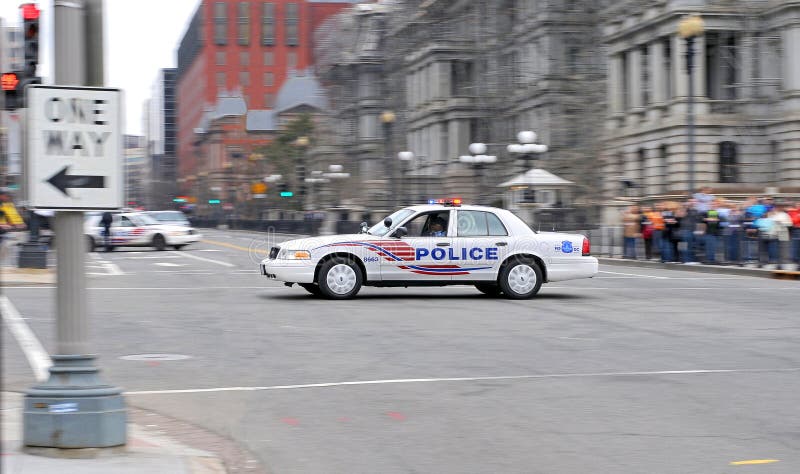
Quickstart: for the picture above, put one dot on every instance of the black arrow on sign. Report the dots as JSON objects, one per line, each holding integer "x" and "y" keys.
{"x": 63, "y": 181}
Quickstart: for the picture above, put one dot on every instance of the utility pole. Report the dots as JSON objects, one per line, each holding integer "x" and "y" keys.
{"x": 74, "y": 408}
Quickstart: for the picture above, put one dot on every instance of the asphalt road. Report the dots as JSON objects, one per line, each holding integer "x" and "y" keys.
{"x": 635, "y": 371}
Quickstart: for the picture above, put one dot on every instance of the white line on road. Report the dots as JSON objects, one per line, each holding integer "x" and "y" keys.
{"x": 218, "y": 262}
{"x": 463, "y": 379}
{"x": 150, "y": 288}
{"x": 113, "y": 269}
{"x": 170, "y": 264}
{"x": 637, "y": 275}
{"x": 37, "y": 357}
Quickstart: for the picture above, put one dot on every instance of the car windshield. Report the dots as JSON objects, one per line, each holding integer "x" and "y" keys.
{"x": 169, "y": 216}
{"x": 142, "y": 219}
{"x": 380, "y": 230}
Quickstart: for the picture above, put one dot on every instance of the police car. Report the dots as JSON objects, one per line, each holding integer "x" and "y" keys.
{"x": 137, "y": 229}
{"x": 435, "y": 244}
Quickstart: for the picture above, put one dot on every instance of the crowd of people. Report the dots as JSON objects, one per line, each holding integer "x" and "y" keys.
{"x": 705, "y": 229}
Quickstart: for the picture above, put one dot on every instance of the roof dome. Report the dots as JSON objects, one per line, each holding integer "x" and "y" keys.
{"x": 301, "y": 88}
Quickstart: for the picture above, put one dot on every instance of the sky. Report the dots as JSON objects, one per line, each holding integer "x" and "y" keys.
{"x": 142, "y": 37}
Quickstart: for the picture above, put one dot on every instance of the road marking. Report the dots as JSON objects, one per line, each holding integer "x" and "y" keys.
{"x": 754, "y": 461}
{"x": 150, "y": 288}
{"x": 113, "y": 269}
{"x": 463, "y": 379}
{"x": 636, "y": 275}
{"x": 170, "y": 264}
{"x": 37, "y": 357}
{"x": 237, "y": 247}
{"x": 203, "y": 259}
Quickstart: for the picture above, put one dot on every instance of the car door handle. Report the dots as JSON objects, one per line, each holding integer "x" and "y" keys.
{"x": 443, "y": 244}
{"x": 501, "y": 244}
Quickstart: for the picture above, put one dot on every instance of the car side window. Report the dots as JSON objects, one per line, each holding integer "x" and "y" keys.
{"x": 125, "y": 222}
{"x": 496, "y": 227}
{"x": 428, "y": 224}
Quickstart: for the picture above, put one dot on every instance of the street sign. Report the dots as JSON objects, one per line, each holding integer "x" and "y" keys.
{"x": 74, "y": 159}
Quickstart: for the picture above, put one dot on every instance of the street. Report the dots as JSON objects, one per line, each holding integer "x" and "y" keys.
{"x": 634, "y": 371}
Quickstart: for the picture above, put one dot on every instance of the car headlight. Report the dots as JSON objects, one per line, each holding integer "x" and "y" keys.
{"x": 286, "y": 254}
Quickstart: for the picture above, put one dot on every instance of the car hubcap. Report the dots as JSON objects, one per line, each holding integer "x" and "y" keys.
{"x": 522, "y": 279}
{"x": 341, "y": 279}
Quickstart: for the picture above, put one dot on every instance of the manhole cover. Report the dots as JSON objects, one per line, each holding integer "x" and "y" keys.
{"x": 155, "y": 357}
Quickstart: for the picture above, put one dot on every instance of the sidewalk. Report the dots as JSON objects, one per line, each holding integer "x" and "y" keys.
{"x": 697, "y": 268}
{"x": 26, "y": 276}
{"x": 148, "y": 451}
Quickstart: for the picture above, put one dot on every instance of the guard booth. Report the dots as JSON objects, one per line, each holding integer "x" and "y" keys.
{"x": 540, "y": 198}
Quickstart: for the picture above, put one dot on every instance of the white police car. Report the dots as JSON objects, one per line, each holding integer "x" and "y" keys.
{"x": 137, "y": 229}
{"x": 435, "y": 244}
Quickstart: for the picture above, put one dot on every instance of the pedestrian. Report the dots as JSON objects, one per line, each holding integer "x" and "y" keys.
{"x": 732, "y": 234}
{"x": 794, "y": 214}
{"x": 631, "y": 222}
{"x": 690, "y": 222}
{"x": 647, "y": 227}
{"x": 768, "y": 241}
{"x": 106, "y": 220}
{"x": 783, "y": 225}
{"x": 703, "y": 200}
{"x": 672, "y": 233}
{"x": 658, "y": 229}
{"x": 712, "y": 228}
{"x": 10, "y": 221}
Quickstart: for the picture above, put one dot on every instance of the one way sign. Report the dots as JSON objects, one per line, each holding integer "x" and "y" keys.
{"x": 74, "y": 155}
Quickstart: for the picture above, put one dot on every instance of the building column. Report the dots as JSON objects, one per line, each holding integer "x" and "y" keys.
{"x": 746, "y": 71}
{"x": 615, "y": 84}
{"x": 679, "y": 76}
{"x": 791, "y": 61}
{"x": 656, "y": 65}
{"x": 635, "y": 78}
{"x": 700, "y": 93}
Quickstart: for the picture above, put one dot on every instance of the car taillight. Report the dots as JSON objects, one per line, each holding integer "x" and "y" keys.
{"x": 587, "y": 247}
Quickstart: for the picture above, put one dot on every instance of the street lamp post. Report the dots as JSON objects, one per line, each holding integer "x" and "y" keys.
{"x": 406, "y": 157}
{"x": 526, "y": 147}
{"x": 336, "y": 172}
{"x": 690, "y": 28}
{"x": 387, "y": 119}
{"x": 300, "y": 169}
{"x": 478, "y": 159}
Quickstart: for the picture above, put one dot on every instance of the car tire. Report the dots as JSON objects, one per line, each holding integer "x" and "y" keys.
{"x": 311, "y": 288}
{"x": 159, "y": 243}
{"x": 491, "y": 289}
{"x": 520, "y": 279}
{"x": 178, "y": 247}
{"x": 90, "y": 243}
{"x": 340, "y": 278}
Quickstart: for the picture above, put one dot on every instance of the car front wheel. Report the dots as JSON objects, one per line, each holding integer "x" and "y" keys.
{"x": 340, "y": 278}
{"x": 159, "y": 243}
{"x": 521, "y": 279}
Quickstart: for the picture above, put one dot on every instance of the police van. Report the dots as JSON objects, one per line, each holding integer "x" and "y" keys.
{"x": 442, "y": 243}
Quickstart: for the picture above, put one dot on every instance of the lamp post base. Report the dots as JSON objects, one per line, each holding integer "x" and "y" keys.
{"x": 74, "y": 408}
{"x": 32, "y": 255}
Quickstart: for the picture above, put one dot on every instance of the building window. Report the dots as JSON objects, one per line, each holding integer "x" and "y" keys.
{"x": 243, "y": 20}
{"x": 269, "y": 58}
{"x": 721, "y": 65}
{"x": 291, "y": 59}
{"x": 727, "y": 163}
{"x": 268, "y": 24}
{"x": 220, "y": 79}
{"x": 220, "y": 58}
{"x": 667, "y": 69}
{"x": 624, "y": 82}
{"x": 220, "y": 24}
{"x": 292, "y": 20}
{"x": 645, "y": 77}
{"x": 461, "y": 74}
{"x": 244, "y": 58}
{"x": 663, "y": 167}
{"x": 642, "y": 182}
{"x": 269, "y": 100}
{"x": 244, "y": 78}
{"x": 269, "y": 79}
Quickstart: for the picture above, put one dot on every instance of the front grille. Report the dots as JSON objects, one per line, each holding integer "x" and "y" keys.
{"x": 273, "y": 253}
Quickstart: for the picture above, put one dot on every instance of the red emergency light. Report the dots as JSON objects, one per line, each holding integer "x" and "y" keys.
{"x": 9, "y": 81}
{"x": 30, "y": 11}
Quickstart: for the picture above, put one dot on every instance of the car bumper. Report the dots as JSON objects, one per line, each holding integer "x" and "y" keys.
{"x": 183, "y": 239}
{"x": 288, "y": 271}
{"x": 572, "y": 268}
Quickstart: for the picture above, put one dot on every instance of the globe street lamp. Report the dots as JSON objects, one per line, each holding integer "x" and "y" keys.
{"x": 526, "y": 147}
{"x": 336, "y": 172}
{"x": 406, "y": 157}
{"x": 690, "y": 28}
{"x": 478, "y": 159}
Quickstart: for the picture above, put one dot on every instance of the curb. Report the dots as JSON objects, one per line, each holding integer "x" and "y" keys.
{"x": 27, "y": 276}
{"x": 699, "y": 268}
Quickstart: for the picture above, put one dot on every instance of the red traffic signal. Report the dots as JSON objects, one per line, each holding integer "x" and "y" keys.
{"x": 30, "y": 11}
{"x": 9, "y": 81}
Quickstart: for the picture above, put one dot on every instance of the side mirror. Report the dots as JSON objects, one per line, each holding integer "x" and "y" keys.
{"x": 400, "y": 232}
{"x": 387, "y": 222}
{"x": 364, "y": 227}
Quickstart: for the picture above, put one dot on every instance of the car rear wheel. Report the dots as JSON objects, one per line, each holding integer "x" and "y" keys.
{"x": 90, "y": 245}
{"x": 178, "y": 247}
{"x": 311, "y": 288}
{"x": 491, "y": 289}
{"x": 521, "y": 279}
{"x": 340, "y": 278}
{"x": 158, "y": 242}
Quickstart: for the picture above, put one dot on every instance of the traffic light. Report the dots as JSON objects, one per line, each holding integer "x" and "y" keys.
{"x": 12, "y": 90}
{"x": 30, "y": 30}
{"x": 214, "y": 201}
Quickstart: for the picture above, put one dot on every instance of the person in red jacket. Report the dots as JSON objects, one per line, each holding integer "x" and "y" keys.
{"x": 794, "y": 214}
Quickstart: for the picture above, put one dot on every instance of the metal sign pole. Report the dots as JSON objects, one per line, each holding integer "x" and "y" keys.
{"x": 73, "y": 408}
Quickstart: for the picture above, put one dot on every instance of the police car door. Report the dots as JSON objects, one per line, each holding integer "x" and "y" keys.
{"x": 428, "y": 260}
{"x": 481, "y": 243}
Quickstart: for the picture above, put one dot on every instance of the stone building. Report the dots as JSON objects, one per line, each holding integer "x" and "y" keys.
{"x": 747, "y": 94}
